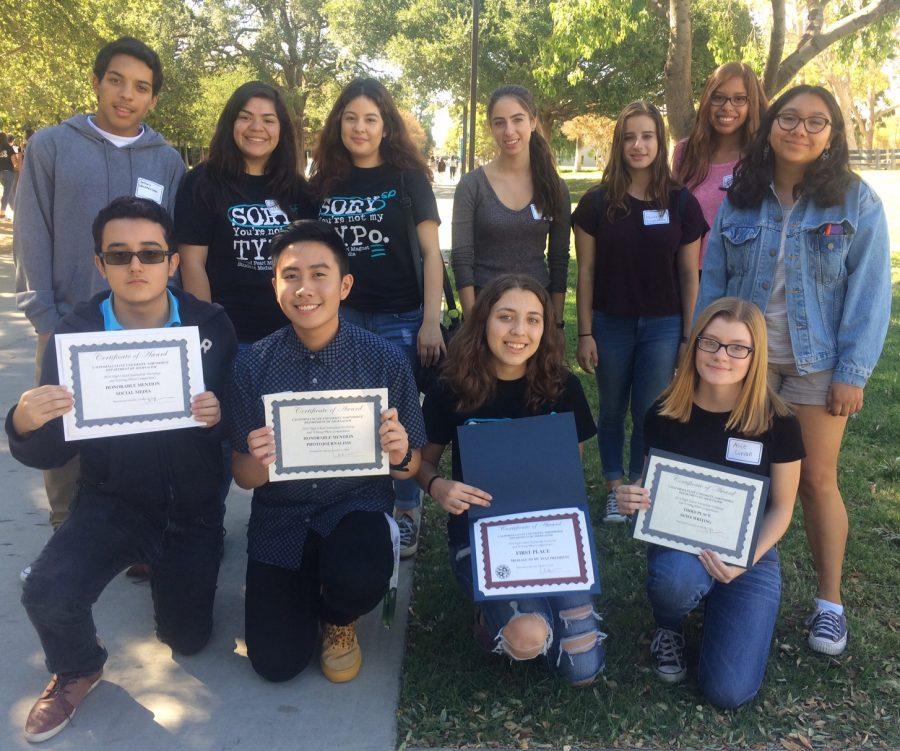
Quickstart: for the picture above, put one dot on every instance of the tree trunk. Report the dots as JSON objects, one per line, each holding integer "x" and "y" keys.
{"x": 841, "y": 88}
{"x": 579, "y": 155}
{"x": 776, "y": 47}
{"x": 679, "y": 100}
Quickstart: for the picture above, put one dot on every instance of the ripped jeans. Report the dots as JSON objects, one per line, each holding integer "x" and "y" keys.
{"x": 573, "y": 649}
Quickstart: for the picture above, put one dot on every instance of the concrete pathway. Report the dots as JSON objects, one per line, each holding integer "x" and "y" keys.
{"x": 148, "y": 700}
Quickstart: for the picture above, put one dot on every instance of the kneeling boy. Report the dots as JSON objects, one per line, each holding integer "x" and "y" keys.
{"x": 151, "y": 497}
{"x": 320, "y": 551}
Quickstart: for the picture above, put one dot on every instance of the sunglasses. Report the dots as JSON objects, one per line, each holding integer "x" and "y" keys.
{"x": 123, "y": 257}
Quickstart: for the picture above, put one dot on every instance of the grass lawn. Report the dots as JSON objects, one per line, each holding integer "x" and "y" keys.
{"x": 454, "y": 695}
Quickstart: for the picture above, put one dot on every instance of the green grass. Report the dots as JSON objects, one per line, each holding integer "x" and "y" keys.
{"x": 454, "y": 695}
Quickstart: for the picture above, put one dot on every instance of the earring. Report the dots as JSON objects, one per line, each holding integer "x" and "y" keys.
{"x": 824, "y": 156}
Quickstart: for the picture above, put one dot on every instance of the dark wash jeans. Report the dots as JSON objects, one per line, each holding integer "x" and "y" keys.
{"x": 103, "y": 535}
{"x": 340, "y": 578}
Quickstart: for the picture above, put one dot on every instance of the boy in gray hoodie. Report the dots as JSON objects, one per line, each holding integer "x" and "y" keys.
{"x": 71, "y": 171}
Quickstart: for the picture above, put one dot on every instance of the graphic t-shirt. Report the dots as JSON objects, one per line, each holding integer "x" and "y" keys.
{"x": 705, "y": 437}
{"x": 636, "y": 269}
{"x": 237, "y": 237}
{"x": 365, "y": 210}
{"x": 442, "y": 419}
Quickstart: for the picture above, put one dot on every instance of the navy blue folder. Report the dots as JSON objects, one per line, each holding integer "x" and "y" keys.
{"x": 528, "y": 464}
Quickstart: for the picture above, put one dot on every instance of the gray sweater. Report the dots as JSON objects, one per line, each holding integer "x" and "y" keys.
{"x": 70, "y": 173}
{"x": 490, "y": 239}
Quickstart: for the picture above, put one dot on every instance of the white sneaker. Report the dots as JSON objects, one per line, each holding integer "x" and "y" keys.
{"x": 612, "y": 515}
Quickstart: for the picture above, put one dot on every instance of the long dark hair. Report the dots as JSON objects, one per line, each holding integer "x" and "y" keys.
{"x": 468, "y": 369}
{"x": 616, "y": 177}
{"x": 225, "y": 164}
{"x": 331, "y": 160}
{"x": 825, "y": 181}
{"x": 693, "y": 167}
{"x": 545, "y": 178}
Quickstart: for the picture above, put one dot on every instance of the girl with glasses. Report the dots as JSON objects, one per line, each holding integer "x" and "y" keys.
{"x": 731, "y": 107}
{"x": 806, "y": 239}
{"x": 637, "y": 240}
{"x": 719, "y": 408}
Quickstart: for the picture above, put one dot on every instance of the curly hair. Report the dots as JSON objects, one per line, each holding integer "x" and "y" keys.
{"x": 693, "y": 166}
{"x": 468, "y": 370}
{"x": 825, "y": 181}
{"x": 332, "y": 160}
{"x": 548, "y": 196}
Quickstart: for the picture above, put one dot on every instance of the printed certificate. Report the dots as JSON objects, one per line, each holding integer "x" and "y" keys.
{"x": 696, "y": 506}
{"x": 134, "y": 381}
{"x": 532, "y": 553}
{"x": 321, "y": 434}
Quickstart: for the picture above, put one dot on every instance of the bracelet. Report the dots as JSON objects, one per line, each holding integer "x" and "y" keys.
{"x": 404, "y": 463}
{"x": 430, "y": 483}
{"x": 581, "y": 335}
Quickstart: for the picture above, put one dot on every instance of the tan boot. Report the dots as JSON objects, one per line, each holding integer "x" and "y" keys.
{"x": 341, "y": 655}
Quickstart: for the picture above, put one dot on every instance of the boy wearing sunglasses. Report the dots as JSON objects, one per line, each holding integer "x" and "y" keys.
{"x": 147, "y": 497}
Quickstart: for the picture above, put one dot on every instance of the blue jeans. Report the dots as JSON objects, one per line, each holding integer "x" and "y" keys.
{"x": 401, "y": 329}
{"x": 738, "y": 621}
{"x": 636, "y": 358}
{"x": 8, "y": 184}
{"x": 574, "y": 649}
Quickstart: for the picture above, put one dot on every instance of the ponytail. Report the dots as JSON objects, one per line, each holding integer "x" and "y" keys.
{"x": 548, "y": 196}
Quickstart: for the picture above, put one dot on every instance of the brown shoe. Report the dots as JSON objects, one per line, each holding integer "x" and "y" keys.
{"x": 341, "y": 655}
{"x": 138, "y": 571}
{"x": 53, "y": 711}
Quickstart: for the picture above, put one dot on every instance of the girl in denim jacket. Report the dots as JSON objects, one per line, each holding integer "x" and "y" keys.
{"x": 806, "y": 240}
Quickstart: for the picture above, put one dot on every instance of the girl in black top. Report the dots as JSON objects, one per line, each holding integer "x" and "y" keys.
{"x": 721, "y": 409}
{"x": 637, "y": 241}
{"x": 506, "y": 363}
{"x": 229, "y": 207}
{"x": 365, "y": 165}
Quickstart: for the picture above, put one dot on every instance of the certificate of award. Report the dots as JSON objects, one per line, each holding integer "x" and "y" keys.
{"x": 696, "y": 506}
{"x": 533, "y": 553}
{"x": 133, "y": 381}
{"x": 321, "y": 434}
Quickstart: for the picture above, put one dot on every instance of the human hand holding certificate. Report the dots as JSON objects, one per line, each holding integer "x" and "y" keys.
{"x": 322, "y": 434}
{"x": 132, "y": 381}
{"x": 696, "y": 506}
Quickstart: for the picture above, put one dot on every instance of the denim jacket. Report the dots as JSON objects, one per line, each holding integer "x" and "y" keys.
{"x": 837, "y": 276}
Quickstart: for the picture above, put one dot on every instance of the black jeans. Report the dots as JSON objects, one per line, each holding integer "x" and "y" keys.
{"x": 340, "y": 578}
{"x": 103, "y": 535}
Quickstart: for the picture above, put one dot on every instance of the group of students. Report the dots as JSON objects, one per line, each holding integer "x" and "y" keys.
{"x": 772, "y": 345}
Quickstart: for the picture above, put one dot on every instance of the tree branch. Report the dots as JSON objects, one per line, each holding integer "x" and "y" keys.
{"x": 776, "y": 47}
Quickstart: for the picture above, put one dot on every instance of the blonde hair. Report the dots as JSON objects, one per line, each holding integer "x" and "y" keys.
{"x": 757, "y": 404}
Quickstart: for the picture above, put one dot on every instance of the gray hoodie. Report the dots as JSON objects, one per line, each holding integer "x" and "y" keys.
{"x": 70, "y": 173}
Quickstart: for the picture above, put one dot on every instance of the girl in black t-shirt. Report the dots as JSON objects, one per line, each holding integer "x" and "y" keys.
{"x": 720, "y": 409}
{"x": 364, "y": 167}
{"x": 506, "y": 363}
{"x": 637, "y": 240}
{"x": 229, "y": 207}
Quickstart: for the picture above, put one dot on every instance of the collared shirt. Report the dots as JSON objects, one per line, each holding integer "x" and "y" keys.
{"x": 111, "y": 323}
{"x": 283, "y": 513}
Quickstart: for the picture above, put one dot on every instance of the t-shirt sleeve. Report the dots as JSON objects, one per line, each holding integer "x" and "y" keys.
{"x": 424, "y": 203}
{"x": 693, "y": 225}
{"x": 787, "y": 440}
{"x": 587, "y": 213}
{"x": 243, "y": 405}
{"x": 404, "y": 395}
{"x": 437, "y": 410}
{"x": 193, "y": 217}
{"x": 585, "y": 424}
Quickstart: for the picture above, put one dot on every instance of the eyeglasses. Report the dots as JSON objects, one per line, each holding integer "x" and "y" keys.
{"x": 737, "y": 351}
{"x": 813, "y": 124}
{"x": 718, "y": 100}
{"x": 123, "y": 257}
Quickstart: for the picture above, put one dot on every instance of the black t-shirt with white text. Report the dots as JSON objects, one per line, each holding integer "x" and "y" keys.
{"x": 442, "y": 419}
{"x": 705, "y": 437}
{"x": 365, "y": 210}
{"x": 237, "y": 237}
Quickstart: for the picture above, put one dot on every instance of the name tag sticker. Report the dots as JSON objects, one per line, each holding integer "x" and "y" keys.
{"x": 745, "y": 452}
{"x": 535, "y": 213}
{"x": 652, "y": 216}
{"x": 148, "y": 189}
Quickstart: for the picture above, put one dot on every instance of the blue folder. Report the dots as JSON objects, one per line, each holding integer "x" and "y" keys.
{"x": 528, "y": 464}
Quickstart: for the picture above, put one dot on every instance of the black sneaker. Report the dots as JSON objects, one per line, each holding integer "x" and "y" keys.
{"x": 827, "y": 632}
{"x": 667, "y": 655}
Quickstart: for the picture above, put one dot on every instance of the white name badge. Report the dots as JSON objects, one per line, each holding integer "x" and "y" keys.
{"x": 726, "y": 181}
{"x": 535, "y": 213}
{"x": 652, "y": 216}
{"x": 745, "y": 452}
{"x": 148, "y": 189}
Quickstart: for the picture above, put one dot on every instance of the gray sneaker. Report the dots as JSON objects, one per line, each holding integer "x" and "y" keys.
{"x": 667, "y": 655}
{"x": 612, "y": 514}
{"x": 827, "y": 632}
{"x": 408, "y": 521}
